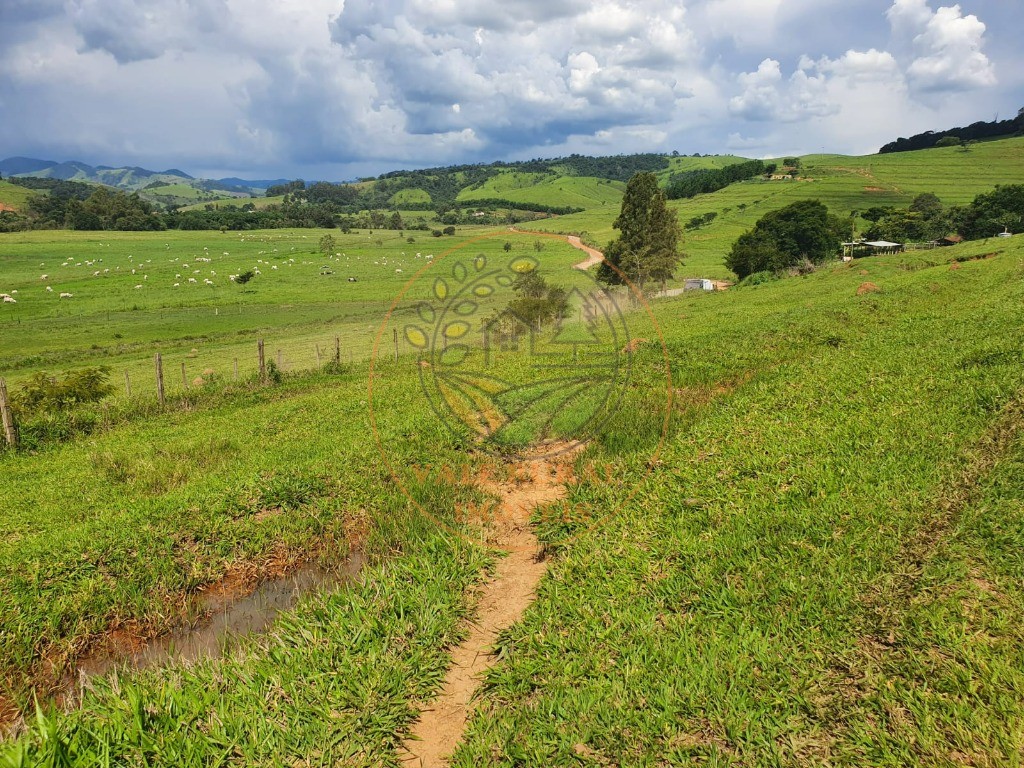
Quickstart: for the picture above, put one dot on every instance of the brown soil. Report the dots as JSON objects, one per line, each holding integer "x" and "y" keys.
{"x": 873, "y": 189}
{"x": 594, "y": 256}
{"x": 633, "y": 345}
{"x": 5, "y": 207}
{"x": 501, "y": 603}
{"x": 867, "y": 288}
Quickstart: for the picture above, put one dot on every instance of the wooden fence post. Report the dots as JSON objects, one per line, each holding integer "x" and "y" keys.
{"x": 395, "y": 332}
{"x": 127, "y": 385}
{"x": 236, "y": 369}
{"x": 318, "y": 357}
{"x": 159, "y": 378}
{"x": 10, "y": 431}
{"x": 262, "y": 361}
{"x": 337, "y": 349}
{"x": 184, "y": 379}
{"x": 279, "y": 366}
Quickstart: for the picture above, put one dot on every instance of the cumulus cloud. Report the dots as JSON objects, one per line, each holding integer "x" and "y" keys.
{"x": 135, "y": 30}
{"x": 944, "y": 47}
{"x": 573, "y": 68}
{"x": 351, "y": 86}
{"x": 767, "y": 97}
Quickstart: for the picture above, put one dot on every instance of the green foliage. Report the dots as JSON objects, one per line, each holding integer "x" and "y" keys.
{"x": 45, "y": 393}
{"x": 327, "y": 245}
{"x": 536, "y": 302}
{"x": 954, "y": 136}
{"x": 802, "y": 232}
{"x": 648, "y": 246}
{"x": 924, "y": 220}
{"x": 701, "y": 220}
{"x": 703, "y": 181}
{"x": 990, "y": 213}
{"x": 245, "y": 277}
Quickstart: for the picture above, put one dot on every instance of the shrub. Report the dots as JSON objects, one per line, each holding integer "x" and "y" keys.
{"x": 43, "y": 393}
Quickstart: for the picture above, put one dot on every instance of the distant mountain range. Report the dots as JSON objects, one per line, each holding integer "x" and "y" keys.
{"x": 129, "y": 178}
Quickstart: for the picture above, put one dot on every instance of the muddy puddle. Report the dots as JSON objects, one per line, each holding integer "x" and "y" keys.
{"x": 227, "y": 618}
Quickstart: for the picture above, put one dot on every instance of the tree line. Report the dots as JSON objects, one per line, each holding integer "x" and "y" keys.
{"x": 692, "y": 183}
{"x": 953, "y": 136}
{"x": 926, "y": 218}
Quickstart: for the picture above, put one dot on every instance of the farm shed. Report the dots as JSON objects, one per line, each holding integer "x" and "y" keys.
{"x": 860, "y": 248}
{"x": 704, "y": 284}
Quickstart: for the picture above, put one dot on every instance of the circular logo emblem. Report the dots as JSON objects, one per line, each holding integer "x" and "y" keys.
{"x": 521, "y": 359}
{"x": 517, "y": 360}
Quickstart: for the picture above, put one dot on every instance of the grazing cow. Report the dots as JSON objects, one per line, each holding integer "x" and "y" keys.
{"x": 66, "y": 295}
{"x": 352, "y": 280}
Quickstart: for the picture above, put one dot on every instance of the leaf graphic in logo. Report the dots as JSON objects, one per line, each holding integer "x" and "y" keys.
{"x": 441, "y": 289}
{"x": 426, "y": 312}
{"x": 416, "y": 337}
{"x": 459, "y": 271}
{"x": 454, "y": 355}
{"x": 480, "y": 262}
{"x": 456, "y": 330}
{"x": 483, "y": 290}
{"x": 524, "y": 264}
{"x": 465, "y": 307}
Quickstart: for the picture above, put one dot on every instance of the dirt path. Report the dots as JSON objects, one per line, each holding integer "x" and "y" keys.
{"x": 502, "y": 602}
{"x": 594, "y": 256}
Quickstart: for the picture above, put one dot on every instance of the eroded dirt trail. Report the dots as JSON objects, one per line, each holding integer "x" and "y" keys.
{"x": 594, "y": 256}
{"x": 502, "y": 601}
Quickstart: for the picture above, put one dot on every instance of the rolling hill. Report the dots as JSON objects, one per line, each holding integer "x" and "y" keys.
{"x": 844, "y": 183}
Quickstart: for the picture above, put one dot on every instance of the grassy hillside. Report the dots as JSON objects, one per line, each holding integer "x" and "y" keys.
{"x": 843, "y": 183}
{"x": 823, "y": 563}
{"x": 13, "y": 197}
{"x": 547, "y": 189}
{"x": 410, "y": 196}
{"x": 295, "y": 302}
{"x": 816, "y": 559}
{"x": 258, "y": 202}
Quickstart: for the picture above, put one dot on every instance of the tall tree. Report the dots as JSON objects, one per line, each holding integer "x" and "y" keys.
{"x": 648, "y": 246}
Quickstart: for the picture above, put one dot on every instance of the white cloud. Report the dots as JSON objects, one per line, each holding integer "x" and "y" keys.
{"x": 291, "y": 87}
{"x": 942, "y": 49}
{"x": 766, "y": 97}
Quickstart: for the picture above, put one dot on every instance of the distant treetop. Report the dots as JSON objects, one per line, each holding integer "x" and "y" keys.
{"x": 973, "y": 132}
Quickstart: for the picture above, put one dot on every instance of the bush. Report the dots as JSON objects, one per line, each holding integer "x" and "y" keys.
{"x": 45, "y": 394}
{"x": 800, "y": 232}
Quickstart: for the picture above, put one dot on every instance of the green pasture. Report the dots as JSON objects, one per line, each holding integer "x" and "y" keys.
{"x": 238, "y": 202}
{"x": 824, "y": 569}
{"x": 410, "y": 196}
{"x": 845, "y": 184}
{"x": 187, "y": 192}
{"x": 300, "y": 300}
{"x": 822, "y": 563}
{"x": 548, "y": 189}
{"x": 13, "y": 196}
{"x": 816, "y": 561}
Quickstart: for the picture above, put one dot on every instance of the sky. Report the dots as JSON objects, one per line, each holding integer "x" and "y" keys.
{"x": 337, "y": 89}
